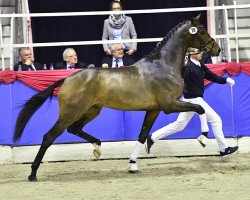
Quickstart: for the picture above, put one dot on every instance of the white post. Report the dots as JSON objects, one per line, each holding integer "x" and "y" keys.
{"x": 11, "y": 40}
{"x": 236, "y": 34}
{"x": 25, "y": 24}
{"x": 1, "y": 42}
{"x": 227, "y": 34}
{"x": 211, "y": 18}
{"x": 211, "y": 25}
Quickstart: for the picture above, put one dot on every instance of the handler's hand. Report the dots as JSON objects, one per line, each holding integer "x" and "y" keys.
{"x": 230, "y": 81}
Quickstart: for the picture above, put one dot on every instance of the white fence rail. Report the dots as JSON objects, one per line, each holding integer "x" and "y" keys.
{"x": 190, "y": 9}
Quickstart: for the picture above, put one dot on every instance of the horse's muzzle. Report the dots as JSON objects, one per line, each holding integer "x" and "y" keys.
{"x": 214, "y": 51}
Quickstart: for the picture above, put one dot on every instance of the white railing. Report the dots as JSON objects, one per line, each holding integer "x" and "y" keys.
{"x": 95, "y": 42}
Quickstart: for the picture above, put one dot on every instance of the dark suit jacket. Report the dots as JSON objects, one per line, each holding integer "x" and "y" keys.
{"x": 63, "y": 65}
{"x": 20, "y": 66}
{"x": 127, "y": 61}
{"x": 206, "y": 58}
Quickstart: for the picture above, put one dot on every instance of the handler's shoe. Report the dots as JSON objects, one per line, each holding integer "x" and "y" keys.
{"x": 228, "y": 151}
{"x": 149, "y": 144}
{"x": 202, "y": 140}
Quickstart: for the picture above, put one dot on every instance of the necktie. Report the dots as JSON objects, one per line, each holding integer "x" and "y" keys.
{"x": 116, "y": 62}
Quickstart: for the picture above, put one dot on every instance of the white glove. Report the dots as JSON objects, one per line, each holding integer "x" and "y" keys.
{"x": 230, "y": 81}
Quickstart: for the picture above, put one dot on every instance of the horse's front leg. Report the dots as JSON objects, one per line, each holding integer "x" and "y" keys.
{"x": 182, "y": 106}
{"x": 148, "y": 122}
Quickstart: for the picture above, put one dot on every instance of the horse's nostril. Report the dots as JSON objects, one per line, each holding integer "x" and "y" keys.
{"x": 219, "y": 50}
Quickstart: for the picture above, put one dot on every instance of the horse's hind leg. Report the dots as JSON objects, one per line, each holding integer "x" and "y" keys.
{"x": 48, "y": 140}
{"x": 148, "y": 122}
{"x": 76, "y": 129}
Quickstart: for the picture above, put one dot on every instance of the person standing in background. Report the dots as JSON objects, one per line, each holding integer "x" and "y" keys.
{"x": 118, "y": 27}
{"x": 27, "y": 62}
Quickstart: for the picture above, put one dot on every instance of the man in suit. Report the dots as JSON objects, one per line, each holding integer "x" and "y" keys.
{"x": 70, "y": 61}
{"x": 27, "y": 62}
{"x": 117, "y": 59}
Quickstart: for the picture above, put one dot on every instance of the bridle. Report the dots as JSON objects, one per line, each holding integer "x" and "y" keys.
{"x": 203, "y": 46}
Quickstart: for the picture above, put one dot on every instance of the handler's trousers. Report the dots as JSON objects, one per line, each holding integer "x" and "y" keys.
{"x": 185, "y": 117}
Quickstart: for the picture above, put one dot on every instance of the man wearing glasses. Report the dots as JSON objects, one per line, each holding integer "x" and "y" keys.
{"x": 193, "y": 76}
{"x": 70, "y": 61}
{"x": 117, "y": 58}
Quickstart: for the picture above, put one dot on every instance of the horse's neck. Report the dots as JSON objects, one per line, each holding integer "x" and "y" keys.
{"x": 173, "y": 52}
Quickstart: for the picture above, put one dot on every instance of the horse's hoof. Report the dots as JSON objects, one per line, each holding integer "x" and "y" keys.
{"x": 133, "y": 168}
{"x": 97, "y": 153}
{"x": 32, "y": 178}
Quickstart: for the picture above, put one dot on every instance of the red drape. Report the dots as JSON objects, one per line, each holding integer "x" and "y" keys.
{"x": 40, "y": 80}
{"x": 232, "y": 68}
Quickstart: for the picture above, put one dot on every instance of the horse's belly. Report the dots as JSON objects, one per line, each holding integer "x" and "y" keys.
{"x": 129, "y": 103}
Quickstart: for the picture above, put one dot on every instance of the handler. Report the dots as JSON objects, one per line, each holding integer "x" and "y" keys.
{"x": 193, "y": 76}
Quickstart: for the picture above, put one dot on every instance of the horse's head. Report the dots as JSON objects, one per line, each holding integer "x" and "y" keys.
{"x": 198, "y": 37}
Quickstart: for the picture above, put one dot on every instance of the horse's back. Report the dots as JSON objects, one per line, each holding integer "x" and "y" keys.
{"x": 138, "y": 87}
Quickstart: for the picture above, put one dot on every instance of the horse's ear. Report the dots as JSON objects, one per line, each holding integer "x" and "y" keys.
{"x": 196, "y": 19}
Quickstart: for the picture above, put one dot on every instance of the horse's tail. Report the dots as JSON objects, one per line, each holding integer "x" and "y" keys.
{"x": 31, "y": 106}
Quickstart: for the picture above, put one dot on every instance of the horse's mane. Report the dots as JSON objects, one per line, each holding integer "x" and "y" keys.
{"x": 156, "y": 53}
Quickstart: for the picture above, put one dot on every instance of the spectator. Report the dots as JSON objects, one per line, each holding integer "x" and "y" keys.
{"x": 27, "y": 62}
{"x": 70, "y": 61}
{"x": 118, "y": 27}
{"x": 194, "y": 75}
{"x": 118, "y": 59}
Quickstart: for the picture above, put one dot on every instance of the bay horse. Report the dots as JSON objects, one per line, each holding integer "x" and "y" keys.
{"x": 153, "y": 84}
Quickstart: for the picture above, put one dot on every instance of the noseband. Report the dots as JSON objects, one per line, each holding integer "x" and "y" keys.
{"x": 203, "y": 46}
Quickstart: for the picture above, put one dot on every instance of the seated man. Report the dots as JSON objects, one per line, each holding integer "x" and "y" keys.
{"x": 26, "y": 62}
{"x": 118, "y": 59}
{"x": 70, "y": 61}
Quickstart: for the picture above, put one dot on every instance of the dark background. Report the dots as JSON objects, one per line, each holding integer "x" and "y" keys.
{"x": 84, "y": 28}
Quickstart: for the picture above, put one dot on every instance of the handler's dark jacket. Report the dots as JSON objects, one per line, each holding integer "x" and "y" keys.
{"x": 194, "y": 76}
{"x": 206, "y": 58}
